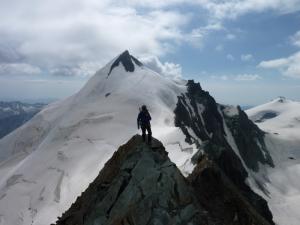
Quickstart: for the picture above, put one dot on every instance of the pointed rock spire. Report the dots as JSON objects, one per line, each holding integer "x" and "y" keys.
{"x": 127, "y": 60}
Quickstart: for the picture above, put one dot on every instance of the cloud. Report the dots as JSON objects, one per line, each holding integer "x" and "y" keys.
{"x": 84, "y": 69}
{"x": 63, "y": 36}
{"x": 59, "y": 37}
{"x": 18, "y": 69}
{"x": 239, "y": 77}
{"x": 296, "y": 39}
{"x": 224, "y": 77}
{"x": 230, "y": 37}
{"x": 230, "y": 57}
{"x": 225, "y": 9}
{"x": 247, "y": 77}
{"x": 196, "y": 36}
{"x": 219, "y": 48}
{"x": 9, "y": 54}
{"x": 167, "y": 69}
{"x": 232, "y": 9}
{"x": 288, "y": 66}
{"x": 220, "y": 77}
{"x": 246, "y": 57}
{"x": 275, "y": 63}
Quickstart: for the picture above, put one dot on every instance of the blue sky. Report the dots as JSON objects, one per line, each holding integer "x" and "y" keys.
{"x": 242, "y": 51}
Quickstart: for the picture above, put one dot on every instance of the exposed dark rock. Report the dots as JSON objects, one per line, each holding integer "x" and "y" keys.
{"x": 266, "y": 116}
{"x": 221, "y": 197}
{"x": 198, "y": 112}
{"x": 127, "y": 60}
{"x": 188, "y": 115}
{"x": 269, "y": 115}
{"x": 139, "y": 185}
{"x": 249, "y": 140}
{"x": 281, "y": 99}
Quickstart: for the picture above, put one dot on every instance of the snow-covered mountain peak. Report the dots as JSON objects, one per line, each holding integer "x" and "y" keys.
{"x": 280, "y": 116}
{"x": 60, "y": 151}
{"x": 128, "y": 61}
{"x": 281, "y": 99}
{"x": 125, "y": 77}
{"x": 48, "y": 162}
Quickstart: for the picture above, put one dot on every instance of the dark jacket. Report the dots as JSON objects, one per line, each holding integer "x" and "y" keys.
{"x": 143, "y": 118}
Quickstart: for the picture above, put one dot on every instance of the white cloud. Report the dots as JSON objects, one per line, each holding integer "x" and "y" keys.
{"x": 224, "y": 77}
{"x": 196, "y": 36}
{"x": 275, "y": 63}
{"x": 288, "y": 66}
{"x": 225, "y": 9}
{"x": 232, "y": 9}
{"x": 239, "y": 77}
{"x": 230, "y": 57}
{"x": 18, "y": 69}
{"x": 8, "y": 54}
{"x": 167, "y": 69}
{"x": 65, "y": 35}
{"x": 246, "y": 57}
{"x": 84, "y": 69}
{"x": 230, "y": 37}
{"x": 220, "y": 77}
{"x": 247, "y": 77}
{"x": 60, "y": 36}
{"x": 219, "y": 48}
{"x": 296, "y": 39}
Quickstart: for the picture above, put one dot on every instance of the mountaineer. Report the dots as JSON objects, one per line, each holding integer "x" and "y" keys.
{"x": 143, "y": 121}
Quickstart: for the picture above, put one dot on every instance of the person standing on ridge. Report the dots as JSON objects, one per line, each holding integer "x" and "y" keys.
{"x": 143, "y": 121}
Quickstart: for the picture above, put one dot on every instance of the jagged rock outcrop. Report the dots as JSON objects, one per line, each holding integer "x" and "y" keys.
{"x": 203, "y": 122}
{"x": 139, "y": 185}
{"x": 127, "y": 61}
{"x": 249, "y": 140}
{"x": 221, "y": 197}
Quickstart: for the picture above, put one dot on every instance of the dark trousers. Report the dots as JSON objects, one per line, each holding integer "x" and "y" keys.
{"x": 148, "y": 128}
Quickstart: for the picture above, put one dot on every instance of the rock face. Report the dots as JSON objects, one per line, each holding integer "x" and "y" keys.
{"x": 249, "y": 140}
{"x": 221, "y": 197}
{"x": 139, "y": 185}
{"x": 266, "y": 115}
{"x": 127, "y": 61}
{"x": 203, "y": 122}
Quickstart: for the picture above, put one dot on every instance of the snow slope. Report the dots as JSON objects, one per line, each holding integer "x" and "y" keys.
{"x": 49, "y": 161}
{"x": 281, "y": 119}
{"x": 46, "y": 163}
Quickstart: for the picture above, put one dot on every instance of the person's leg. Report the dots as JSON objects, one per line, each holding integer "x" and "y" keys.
{"x": 149, "y": 133}
{"x": 143, "y": 133}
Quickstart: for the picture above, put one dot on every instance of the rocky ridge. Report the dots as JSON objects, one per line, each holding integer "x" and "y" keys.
{"x": 139, "y": 185}
{"x": 205, "y": 123}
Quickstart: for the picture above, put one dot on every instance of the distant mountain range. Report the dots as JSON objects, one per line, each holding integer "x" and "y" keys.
{"x": 14, "y": 114}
